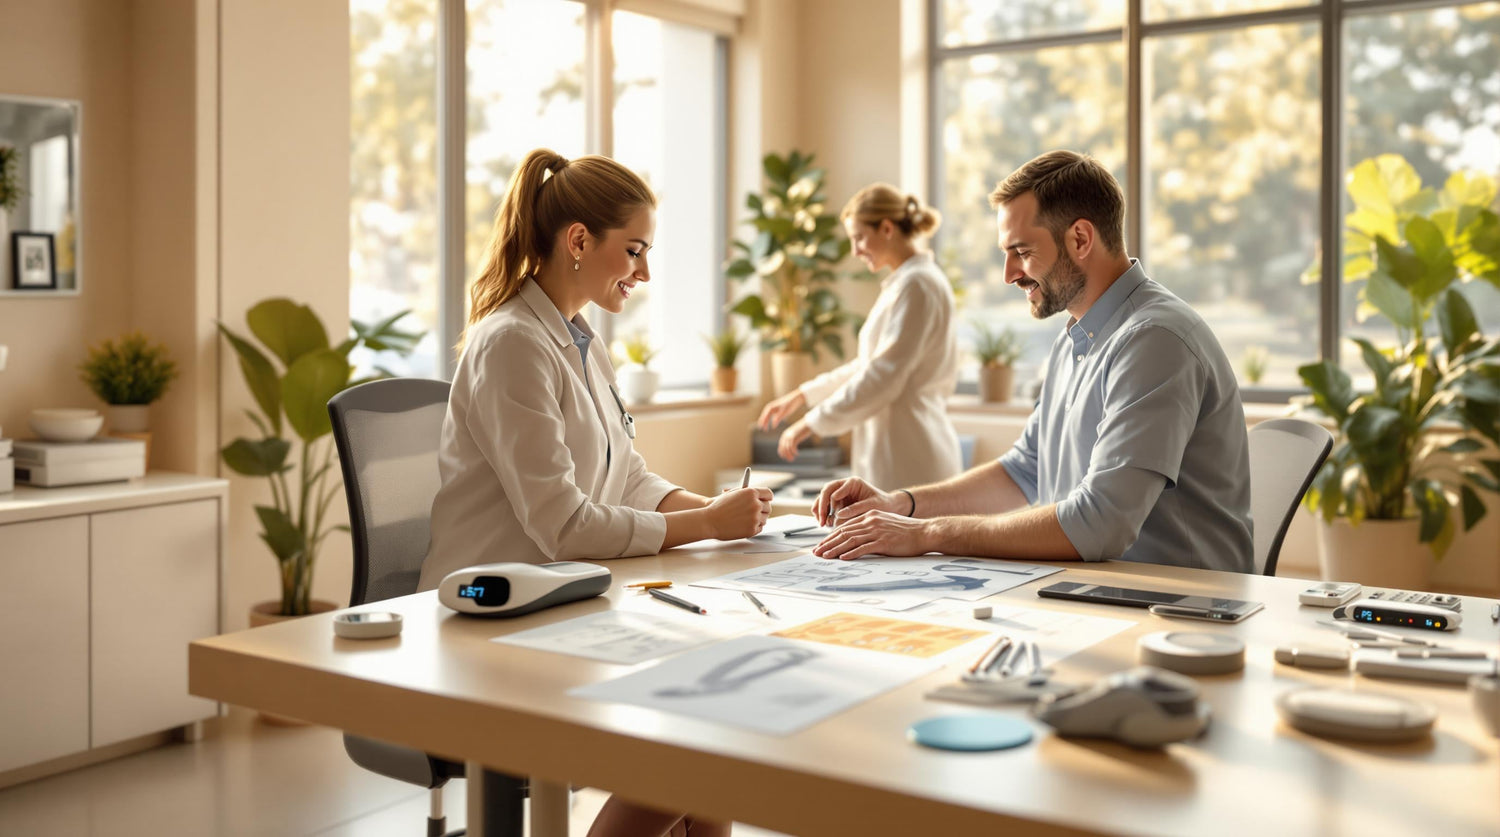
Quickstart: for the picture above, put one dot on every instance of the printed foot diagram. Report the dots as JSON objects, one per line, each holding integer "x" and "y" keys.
{"x": 737, "y": 672}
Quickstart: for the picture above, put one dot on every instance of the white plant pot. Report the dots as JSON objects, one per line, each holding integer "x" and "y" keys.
{"x": 637, "y": 383}
{"x": 1376, "y": 553}
{"x": 129, "y": 418}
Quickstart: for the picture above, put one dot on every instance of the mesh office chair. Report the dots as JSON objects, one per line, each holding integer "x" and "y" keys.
{"x": 387, "y": 433}
{"x": 1285, "y": 455}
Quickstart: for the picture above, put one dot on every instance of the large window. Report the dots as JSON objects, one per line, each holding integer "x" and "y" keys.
{"x": 527, "y": 70}
{"x": 1228, "y": 149}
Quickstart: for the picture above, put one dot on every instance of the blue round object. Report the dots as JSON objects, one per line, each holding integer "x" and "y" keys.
{"x": 970, "y": 733}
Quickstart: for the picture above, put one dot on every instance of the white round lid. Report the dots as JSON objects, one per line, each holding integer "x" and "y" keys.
{"x": 1192, "y": 652}
{"x": 1361, "y": 716}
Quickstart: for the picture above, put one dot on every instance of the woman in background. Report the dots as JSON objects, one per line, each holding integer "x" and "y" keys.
{"x": 536, "y": 459}
{"x": 894, "y": 393}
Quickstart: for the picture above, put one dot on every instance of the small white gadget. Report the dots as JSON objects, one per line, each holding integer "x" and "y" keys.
{"x": 1314, "y": 656}
{"x": 1142, "y": 707}
{"x": 369, "y": 625}
{"x": 1359, "y": 716}
{"x": 514, "y": 589}
{"x": 1191, "y": 652}
{"x": 1400, "y": 615}
{"x": 1329, "y": 593}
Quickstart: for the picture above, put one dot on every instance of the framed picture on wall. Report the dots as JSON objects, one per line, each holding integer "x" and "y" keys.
{"x": 32, "y": 264}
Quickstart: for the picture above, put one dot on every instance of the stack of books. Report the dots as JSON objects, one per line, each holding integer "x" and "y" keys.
{"x": 104, "y": 459}
{"x": 7, "y": 467}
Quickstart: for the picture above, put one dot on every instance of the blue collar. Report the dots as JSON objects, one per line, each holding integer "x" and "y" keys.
{"x": 1094, "y": 326}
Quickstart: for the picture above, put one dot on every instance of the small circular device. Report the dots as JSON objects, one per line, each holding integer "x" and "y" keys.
{"x": 368, "y": 625}
{"x": 1358, "y": 716}
{"x": 970, "y": 733}
{"x": 1192, "y": 652}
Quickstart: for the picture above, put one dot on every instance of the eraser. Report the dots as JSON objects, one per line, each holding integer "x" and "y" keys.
{"x": 983, "y": 612}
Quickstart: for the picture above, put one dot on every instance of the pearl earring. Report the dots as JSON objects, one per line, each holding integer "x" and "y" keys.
{"x": 578, "y": 262}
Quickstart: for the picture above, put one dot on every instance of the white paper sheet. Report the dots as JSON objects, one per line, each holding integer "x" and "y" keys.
{"x": 767, "y": 684}
{"x": 772, "y": 538}
{"x": 625, "y": 636}
{"x": 886, "y": 583}
{"x": 1058, "y": 634}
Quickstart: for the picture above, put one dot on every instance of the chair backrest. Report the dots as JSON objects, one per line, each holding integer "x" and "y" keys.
{"x": 1285, "y": 455}
{"x": 387, "y": 434}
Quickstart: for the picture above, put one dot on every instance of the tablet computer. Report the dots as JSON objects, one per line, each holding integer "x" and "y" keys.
{"x": 1226, "y": 610}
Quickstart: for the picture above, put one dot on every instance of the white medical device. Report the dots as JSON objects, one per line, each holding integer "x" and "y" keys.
{"x": 514, "y": 589}
{"x": 1142, "y": 707}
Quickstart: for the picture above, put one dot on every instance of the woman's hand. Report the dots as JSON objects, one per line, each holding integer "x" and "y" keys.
{"x": 740, "y": 513}
{"x": 881, "y": 533}
{"x": 776, "y": 412}
{"x": 849, "y": 498}
{"x": 793, "y": 436}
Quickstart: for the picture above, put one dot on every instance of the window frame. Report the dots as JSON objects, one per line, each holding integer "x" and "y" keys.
{"x": 1330, "y": 15}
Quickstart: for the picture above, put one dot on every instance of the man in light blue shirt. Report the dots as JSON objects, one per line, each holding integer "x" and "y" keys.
{"x": 1137, "y": 448}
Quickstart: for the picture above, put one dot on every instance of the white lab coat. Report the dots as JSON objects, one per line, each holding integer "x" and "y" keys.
{"x": 525, "y": 476}
{"x": 894, "y": 394}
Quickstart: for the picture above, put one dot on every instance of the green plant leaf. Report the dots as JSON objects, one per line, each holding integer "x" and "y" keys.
{"x": 1375, "y": 359}
{"x": 739, "y": 269}
{"x": 1388, "y": 297}
{"x": 1466, "y": 188}
{"x": 1372, "y": 427}
{"x": 288, "y": 329}
{"x": 260, "y": 377}
{"x": 256, "y": 458}
{"x": 1481, "y": 479}
{"x": 1478, "y": 247}
{"x": 313, "y": 379}
{"x": 1432, "y": 506}
{"x": 1463, "y": 446}
{"x": 777, "y": 170}
{"x": 1378, "y": 187}
{"x": 753, "y": 307}
{"x": 1331, "y": 388}
{"x": 279, "y": 533}
{"x": 1436, "y": 259}
{"x": 1456, "y": 321}
{"x": 1473, "y": 507}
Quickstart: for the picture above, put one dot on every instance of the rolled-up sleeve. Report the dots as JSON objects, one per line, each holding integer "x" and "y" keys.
{"x": 1153, "y": 393}
{"x": 916, "y": 313}
{"x": 1020, "y": 460}
{"x": 519, "y": 427}
{"x": 645, "y": 490}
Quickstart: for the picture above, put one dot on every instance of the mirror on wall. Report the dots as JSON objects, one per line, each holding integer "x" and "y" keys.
{"x": 40, "y": 239}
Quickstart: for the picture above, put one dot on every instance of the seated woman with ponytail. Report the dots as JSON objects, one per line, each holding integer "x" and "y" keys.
{"x": 536, "y": 458}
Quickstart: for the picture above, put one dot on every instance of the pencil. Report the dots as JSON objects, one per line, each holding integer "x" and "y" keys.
{"x": 990, "y": 654}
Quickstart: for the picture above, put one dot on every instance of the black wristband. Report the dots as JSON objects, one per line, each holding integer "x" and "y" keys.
{"x": 909, "y": 496}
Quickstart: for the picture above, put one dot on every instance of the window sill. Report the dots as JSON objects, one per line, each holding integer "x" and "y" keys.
{"x": 688, "y": 399}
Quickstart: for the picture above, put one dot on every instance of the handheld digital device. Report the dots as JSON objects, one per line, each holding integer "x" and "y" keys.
{"x": 1207, "y": 614}
{"x": 1142, "y": 707}
{"x": 1400, "y": 615}
{"x": 369, "y": 625}
{"x": 1214, "y": 609}
{"x": 1329, "y": 593}
{"x": 515, "y": 589}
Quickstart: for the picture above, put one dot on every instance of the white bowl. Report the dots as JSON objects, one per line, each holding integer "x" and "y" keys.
{"x": 1486, "y": 691}
{"x": 66, "y": 425}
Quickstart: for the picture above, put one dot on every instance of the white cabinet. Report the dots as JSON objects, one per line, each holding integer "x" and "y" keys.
{"x": 101, "y": 590}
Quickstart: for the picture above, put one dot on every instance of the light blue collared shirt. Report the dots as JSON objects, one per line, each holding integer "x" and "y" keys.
{"x": 582, "y": 339}
{"x": 1139, "y": 436}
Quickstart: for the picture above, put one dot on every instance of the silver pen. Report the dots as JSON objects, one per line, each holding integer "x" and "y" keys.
{"x": 745, "y": 483}
{"x": 757, "y": 602}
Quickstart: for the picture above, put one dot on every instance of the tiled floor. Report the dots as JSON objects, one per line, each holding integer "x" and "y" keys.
{"x": 245, "y": 779}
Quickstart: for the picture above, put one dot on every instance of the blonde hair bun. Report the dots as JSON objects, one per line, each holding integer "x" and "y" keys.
{"x": 883, "y": 202}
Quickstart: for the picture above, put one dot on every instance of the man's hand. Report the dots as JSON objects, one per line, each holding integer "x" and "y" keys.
{"x": 791, "y": 438}
{"x": 776, "y": 412}
{"x": 848, "y": 498}
{"x": 876, "y": 533}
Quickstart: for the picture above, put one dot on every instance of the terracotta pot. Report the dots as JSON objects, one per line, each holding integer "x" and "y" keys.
{"x": 264, "y": 613}
{"x": 724, "y": 381}
{"x": 129, "y": 418}
{"x": 1376, "y": 553}
{"x": 789, "y": 370}
{"x": 995, "y": 383}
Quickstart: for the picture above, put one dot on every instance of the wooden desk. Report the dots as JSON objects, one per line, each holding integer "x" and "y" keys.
{"x": 443, "y": 688}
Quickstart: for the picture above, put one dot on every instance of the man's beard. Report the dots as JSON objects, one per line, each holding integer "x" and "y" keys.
{"x": 1058, "y": 288}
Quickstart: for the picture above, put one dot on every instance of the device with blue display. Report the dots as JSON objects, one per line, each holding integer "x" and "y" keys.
{"x": 515, "y": 589}
{"x": 1400, "y": 615}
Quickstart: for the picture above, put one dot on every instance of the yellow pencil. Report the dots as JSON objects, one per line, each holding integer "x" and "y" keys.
{"x": 647, "y": 585}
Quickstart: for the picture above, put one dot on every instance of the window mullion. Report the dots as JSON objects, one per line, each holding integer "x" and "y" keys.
{"x": 452, "y": 96}
{"x": 1330, "y": 203}
{"x": 1135, "y": 133}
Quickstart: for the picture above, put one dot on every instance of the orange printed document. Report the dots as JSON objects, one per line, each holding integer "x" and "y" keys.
{"x": 878, "y": 633}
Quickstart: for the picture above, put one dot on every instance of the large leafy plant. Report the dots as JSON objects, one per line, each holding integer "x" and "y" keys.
{"x": 292, "y": 374}
{"x": 795, "y": 253}
{"x": 1410, "y": 245}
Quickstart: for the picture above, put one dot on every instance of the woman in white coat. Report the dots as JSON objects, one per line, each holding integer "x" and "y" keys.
{"x": 894, "y": 393}
{"x": 536, "y": 458}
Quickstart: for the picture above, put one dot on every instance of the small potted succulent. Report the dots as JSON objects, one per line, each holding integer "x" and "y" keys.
{"x": 726, "y": 346}
{"x": 638, "y": 382}
{"x": 128, "y": 375}
{"x": 1254, "y": 363}
{"x": 998, "y": 350}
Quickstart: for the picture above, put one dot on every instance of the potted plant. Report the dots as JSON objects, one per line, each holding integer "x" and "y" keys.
{"x": 291, "y": 374}
{"x": 10, "y": 196}
{"x": 128, "y": 375}
{"x": 638, "y": 382}
{"x": 997, "y": 350}
{"x": 726, "y": 346}
{"x": 1419, "y": 441}
{"x": 1254, "y": 363}
{"x": 794, "y": 253}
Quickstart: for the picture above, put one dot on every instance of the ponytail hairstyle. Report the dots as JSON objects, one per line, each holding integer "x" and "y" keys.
{"x": 547, "y": 193}
{"x": 883, "y": 202}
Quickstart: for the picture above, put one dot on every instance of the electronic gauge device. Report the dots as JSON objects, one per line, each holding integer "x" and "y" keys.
{"x": 1400, "y": 615}
{"x": 1176, "y": 604}
{"x": 515, "y": 589}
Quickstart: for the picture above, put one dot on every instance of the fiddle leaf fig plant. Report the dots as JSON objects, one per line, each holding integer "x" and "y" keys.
{"x": 1396, "y": 455}
{"x": 291, "y": 374}
{"x": 795, "y": 252}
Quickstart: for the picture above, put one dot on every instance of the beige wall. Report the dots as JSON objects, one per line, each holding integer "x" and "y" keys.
{"x": 72, "y": 49}
{"x": 284, "y": 216}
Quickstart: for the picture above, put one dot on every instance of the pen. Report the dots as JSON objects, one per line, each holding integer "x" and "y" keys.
{"x": 758, "y": 605}
{"x": 657, "y": 593}
{"x": 745, "y": 483}
{"x": 1357, "y": 631}
{"x": 990, "y": 654}
{"x": 650, "y": 584}
{"x": 1440, "y": 653}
